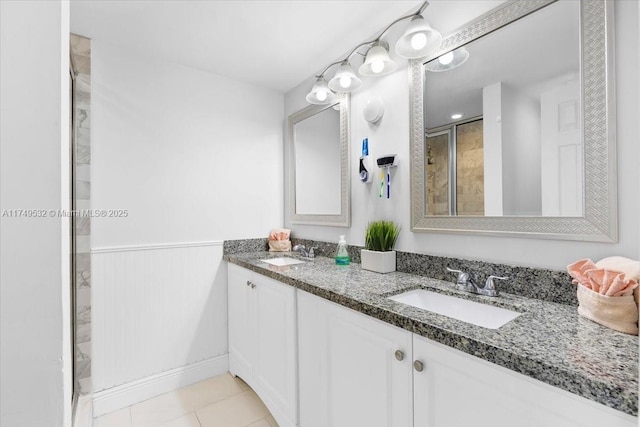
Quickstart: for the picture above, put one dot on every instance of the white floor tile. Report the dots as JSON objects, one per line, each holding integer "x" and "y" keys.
{"x": 189, "y": 420}
{"x": 210, "y": 391}
{"x": 158, "y": 410}
{"x": 170, "y": 406}
{"x": 241, "y": 383}
{"x": 260, "y": 423}
{"x": 272, "y": 421}
{"x": 119, "y": 418}
{"x": 237, "y": 411}
{"x": 223, "y": 401}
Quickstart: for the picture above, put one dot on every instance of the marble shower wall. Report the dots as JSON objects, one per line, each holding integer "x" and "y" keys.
{"x": 81, "y": 50}
{"x": 438, "y": 174}
{"x": 470, "y": 169}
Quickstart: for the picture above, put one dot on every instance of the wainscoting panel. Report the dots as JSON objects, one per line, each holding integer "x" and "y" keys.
{"x": 156, "y": 309}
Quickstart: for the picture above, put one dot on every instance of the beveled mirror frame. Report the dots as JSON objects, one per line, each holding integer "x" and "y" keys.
{"x": 599, "y": 222}
{"x": 344, "y": 218}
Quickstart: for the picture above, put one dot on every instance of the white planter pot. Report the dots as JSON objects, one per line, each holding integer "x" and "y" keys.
{"x": 380, "y": 262}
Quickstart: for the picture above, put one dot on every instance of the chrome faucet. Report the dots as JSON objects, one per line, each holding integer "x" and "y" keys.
{"x": 469, "y": 283}
{"x": 303, "y": 251}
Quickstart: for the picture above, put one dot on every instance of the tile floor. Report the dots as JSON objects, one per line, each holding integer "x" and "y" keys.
{"x": 222, "y": 401}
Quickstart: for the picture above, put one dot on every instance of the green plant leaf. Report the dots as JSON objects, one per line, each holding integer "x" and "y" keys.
{"x": 381, "y": 236}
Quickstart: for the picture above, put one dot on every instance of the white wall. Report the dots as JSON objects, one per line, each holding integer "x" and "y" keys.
{"x": 521, "y": 168}
{"x": 392, "y": 135}
{"x": 35, "y": 308}
{"x": 194, "y": 158}
{"x": 492, "y": 149}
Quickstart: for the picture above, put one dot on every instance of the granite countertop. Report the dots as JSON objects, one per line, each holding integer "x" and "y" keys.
{"x": 548, "y": 342}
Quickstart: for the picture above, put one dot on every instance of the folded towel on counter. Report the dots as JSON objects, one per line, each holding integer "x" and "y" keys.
{"x": 629, "y": 267}
{"x": 605, "y": 292}
{"x": 601, "y": 280}
{"x": 279, "y": 234}
{"x": 279, "y": 245}
{"x": 578, "y": 270}
{"x": 279, "y": 240}
{"x": 617, "y": 313}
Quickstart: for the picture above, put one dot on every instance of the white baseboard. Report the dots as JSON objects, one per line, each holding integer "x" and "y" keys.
{"x": 124, "y": 395}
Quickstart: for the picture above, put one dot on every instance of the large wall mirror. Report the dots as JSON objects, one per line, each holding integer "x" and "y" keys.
{"x": 512, "y": 126}
{"x": 319, "y": 164}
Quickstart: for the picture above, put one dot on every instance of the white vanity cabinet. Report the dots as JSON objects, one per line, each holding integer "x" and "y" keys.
{"x": 262, "y": 339}
{"x": 456, "y": 389}
{"x": 353, "y": 370}
{"x": 349, "y": 376}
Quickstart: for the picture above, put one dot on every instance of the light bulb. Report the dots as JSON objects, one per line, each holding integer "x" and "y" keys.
{"x": 446, "y": 58}
{"x": 345, "y": 81}
{"x": 321, "y": 95}
{"x": 418, "y": 41}
{"x": 377, "y": 66}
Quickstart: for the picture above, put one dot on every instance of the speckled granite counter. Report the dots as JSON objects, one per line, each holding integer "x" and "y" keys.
{"x": 548, "y": 342}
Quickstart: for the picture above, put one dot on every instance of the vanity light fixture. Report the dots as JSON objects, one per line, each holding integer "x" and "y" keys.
{"x": 345, "y": 79}
{"x": 456, "y": 116}
{"x": 418, "y": 40}
{"x": 378, "y": 62}
{"x": 448, "y": 61}
{"x": 320, "y": 93}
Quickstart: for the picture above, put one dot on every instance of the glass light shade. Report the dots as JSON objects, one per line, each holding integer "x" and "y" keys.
{"x": 320, "y": 93}
{"x": 418, "y": 40}
{"x": 448, "y": 61}
{"x": 377, "y": 62}
{"x": 345, "y": 79}
{"x": 446, "y": 58}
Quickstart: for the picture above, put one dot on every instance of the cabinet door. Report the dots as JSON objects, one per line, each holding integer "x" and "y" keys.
{"x": 275, "y": 365}
{"x": 348, "y": 372}
{"x": 241, "y": 322}
{"x": 456, "y": 389}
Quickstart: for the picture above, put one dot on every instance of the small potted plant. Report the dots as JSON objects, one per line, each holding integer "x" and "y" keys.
{"x": 378, "y": 254}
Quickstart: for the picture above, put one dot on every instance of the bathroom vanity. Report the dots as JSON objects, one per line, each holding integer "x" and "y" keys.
{"x": 323, "y": 345}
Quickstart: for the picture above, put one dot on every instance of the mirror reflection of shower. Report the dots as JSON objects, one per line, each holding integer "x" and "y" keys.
{"x": 528, "y": 93}
{"x": 455, "y": 169}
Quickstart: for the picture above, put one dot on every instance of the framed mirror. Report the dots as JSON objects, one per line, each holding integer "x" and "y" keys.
{"x": 513, "y": 125}
{"x": 319, "y": 190}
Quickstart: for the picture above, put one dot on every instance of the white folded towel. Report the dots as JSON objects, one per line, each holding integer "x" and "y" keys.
{"x": 629, "y": 267}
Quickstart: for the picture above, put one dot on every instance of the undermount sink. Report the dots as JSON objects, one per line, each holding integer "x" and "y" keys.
{"x": 487, "y": 316}
{"x": 282, "y": 261}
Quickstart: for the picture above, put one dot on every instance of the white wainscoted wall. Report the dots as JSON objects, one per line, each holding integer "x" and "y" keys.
{"x": 194, "y": 159}
{"x": 159, "y": 320}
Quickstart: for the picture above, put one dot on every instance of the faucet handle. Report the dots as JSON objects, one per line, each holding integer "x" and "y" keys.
{"x": 462, "y": 276}
{"x": 312, "y": 252}
{"x": 489, "y": 285}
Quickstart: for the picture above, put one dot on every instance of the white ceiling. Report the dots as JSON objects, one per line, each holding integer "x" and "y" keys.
{"x": 275, "y": 44}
